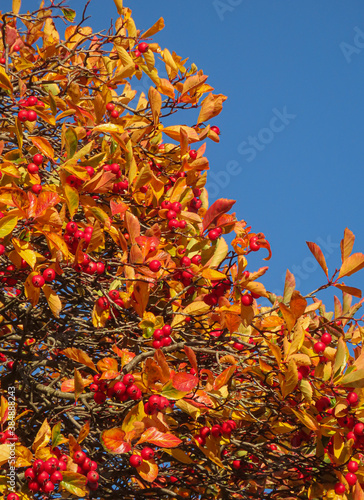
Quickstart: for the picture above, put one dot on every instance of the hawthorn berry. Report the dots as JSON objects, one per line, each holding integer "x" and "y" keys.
{"x": 36, "y": 188}
{"x": 32, "y": 168}
{"x": 247, "y": 300}
{"x": 155, "y": 266}
{"x": 38, "y": 281}
{"x": 147, "y": 453}
{"x": 143, "y": 47}
{"x": 79, "y": 457}
{"x": 103, "y": 303}
{"x": 135, "y": 460}
{"x": 353, "y": 466}
{"x": 49, "y": 274}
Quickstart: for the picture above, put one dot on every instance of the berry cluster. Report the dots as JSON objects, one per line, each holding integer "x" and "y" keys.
{"x": 145, "y": 454}
{"x": 8, "y": 436}
{"x": 33, "y": 167}
{"x": 219, "y": 288}
{"x": 43, "y": 476}
{"x": 155, "y": 404}
{"x": 87, "y": 467}
{"x": 195, "y": 203}
{"x": 216, "y": 431}
{"x": 162, "y": 337}
{"x": 171, "y": 211}
{"x": 122, "y": 391}
{"x": 29, "y": 114}
{"x": 48, "y": 275}
{"x": 321, "y": 345}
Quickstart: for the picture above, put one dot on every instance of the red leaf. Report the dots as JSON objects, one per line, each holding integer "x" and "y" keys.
{"x": 162, "y": 439}
{"x": 113, "y": 441}
{"x": 218, "y": 208}
{"x": 184, "y": 382}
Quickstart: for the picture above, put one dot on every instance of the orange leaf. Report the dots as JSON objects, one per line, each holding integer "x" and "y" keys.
{"x": 218, "y": 208}
{"x": 43, "y": 145}
{"x": 224, "y": 377}
{"x": 148, "y": 470}
{"x": 184, "y": 382}
{"x": 155, "y": 101}
{"x": 211, "y": 106}
{"x": 349, "y": 289}
{"x": 319, "y": 256}
{"x": 288, "y": 316}
{"x": 352, "y": 264}
{"x": 162, "y": 362}
{"x": 53, "y": 300}
{"x": 174, "y": 133}
{"x": 191, "y": 357}
{"x": 113, "y": 441}
{"x": 107, "y": 364}
{"x": 162, "y": 439}
{"x": 79, "y": 356}
{"x": 84, "y": 432}
{"x": 346, "y": 244}
{"x": 3, "y": 411}
{"x": 45, "y": 200}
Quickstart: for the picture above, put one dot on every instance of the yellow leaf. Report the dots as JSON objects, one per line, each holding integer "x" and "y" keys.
{"x": 4, "y": 453}
{"x": 43, "y": 145}
{"x": 308, "y": 420}
{"x": 53, "y": 300}
{"x": 119, "y": 6}
{"x": 16, "y": 6}
{"x": 213, "y": 275}
{"x": 158, "y": 26}
{"x": 298, "y": 339}
{"x": 7, "y": 224}
{"x": 193, "y": 309}
{"x": 155, "y": 101}
{"x": 291, "y": 378}
{"x": 31, "y": 292}
{"x": 24, "y": 249}
{"x": 5, "y": 82}
{"x": 347, "y": 244}
{"x": 24, "y": 456}
{"x": 43, "y": 436}
{"x": 72, "y": 199}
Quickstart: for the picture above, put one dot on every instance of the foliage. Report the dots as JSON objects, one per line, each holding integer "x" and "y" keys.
{"x": 129, "y": 330}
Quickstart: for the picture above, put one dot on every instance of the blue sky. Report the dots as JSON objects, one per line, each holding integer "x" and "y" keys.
{"x": 296, "y": 177}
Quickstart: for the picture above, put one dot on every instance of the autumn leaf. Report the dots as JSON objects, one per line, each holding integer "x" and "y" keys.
{"x": 162, "y": 439}
{"x": 218, "y": 208}
{"x": 79, "y": 356}
{"x": 113, "y": 441}
{"x": 43, "y": 436}
{"x": 184, "y": 382}
{"x": 352, "y": 265}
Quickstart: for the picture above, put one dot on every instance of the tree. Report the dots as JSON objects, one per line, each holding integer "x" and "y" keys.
{"x": 136, "y": 359}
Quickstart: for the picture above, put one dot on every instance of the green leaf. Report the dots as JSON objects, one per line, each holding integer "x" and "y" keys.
{"x": 74, "y": 483}
{"x": 71, "y": 142}
{"x": 69, "y": 14}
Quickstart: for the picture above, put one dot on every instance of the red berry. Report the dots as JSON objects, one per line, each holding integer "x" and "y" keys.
{"x": 254, "y": 245}
{"x": 48, "y": 487}
{"x": 351, "y": 478}
{"x": 167, "y": 329}
{"x": 79, "y": 457}
{"x": 38, "y": 281}
{"x": 93, "y": 486}
{"x": 43, "y": 477}
{"x": 34, "y": 486}
{"x": 90, "y": 170}
{"x": 173, "y": 224}
{"x": 29, "y": 474}
{"x": 326, "y": 338}
{"x": 157, "y": 344}
{"x": 16, "y": 48}
{"x": 155, "y": 266}
{"x": 143, "y": 47}
{"x": 49, "y": 274}
{"x": 213, "y": 234}
{"x": 135, "y": 460}
{"x": 56, "y": 477}
{"x": 196, "y": 259}
{"x": 215, "y": 129}
{"x": 119, "y": 388}
{"x": 38, "y": 466}
{"x": 128, "y": 379}
{"x": 204, "y": 432}
{"x": 353, "y": 466}
{"x": 103, "y": 303}
{"x": 193, "y": 154}
{"x": 114, "y": 113}
{"x": 38, "y": 159}
{"x": 100, "y": 267}
{"x": 352, "y": 398}
{"x": 2, "y": 60}
{"x": 32, "y": 115}
{"x": 319, "y": 347}
{"x": 23, "y": 115}
{"x": 36, "y": 188}
{"x": 32, "y": 168}
{"x": 358, "y": 429}
{"x": 32, "y": 100}
{"x": 110, "y": 106}
{"x": 99, "y": 397}
{"x": 147, "y": 453}
{"x": 216, "y": 431}
{"x": 185, "y": 261}
{"x": 340, "y": 488}
{"x": 247, "y": 300}
{"x": 92, "y": 476}
{"x": 165, "y": 342}
{"x": 236, "y": 464}
{"x": 12, "y": 496}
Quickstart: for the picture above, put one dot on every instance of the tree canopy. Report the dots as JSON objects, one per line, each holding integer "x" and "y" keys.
{"x": 140, "y": 355}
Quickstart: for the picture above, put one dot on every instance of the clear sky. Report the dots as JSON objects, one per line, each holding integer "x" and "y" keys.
{"x": 292, "y": 127}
